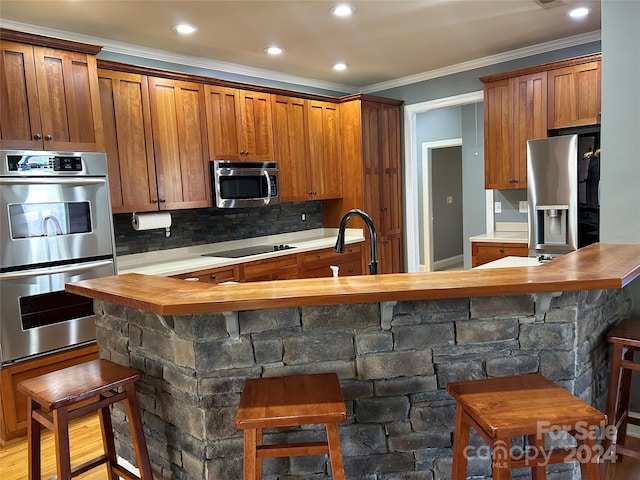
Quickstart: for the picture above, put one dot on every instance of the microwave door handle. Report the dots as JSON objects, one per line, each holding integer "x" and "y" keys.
{"x": 266, "y": 175}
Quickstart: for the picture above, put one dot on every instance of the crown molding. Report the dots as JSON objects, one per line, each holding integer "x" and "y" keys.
{"x": 236, "y": 69}
{"x": 130, "y": 50}
{"x": 487, "y": 61}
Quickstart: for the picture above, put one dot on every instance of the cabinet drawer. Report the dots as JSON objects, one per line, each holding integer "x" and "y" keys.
{"x": 482, "y": 253}
{"x": 351, "y": 267}
{"x": 285, "y": 267}
{"x": 216, "y": 275}
{"x": 328, "y": 255}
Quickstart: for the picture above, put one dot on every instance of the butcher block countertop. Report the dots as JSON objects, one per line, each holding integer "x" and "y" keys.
{"x": 598, "y": 266}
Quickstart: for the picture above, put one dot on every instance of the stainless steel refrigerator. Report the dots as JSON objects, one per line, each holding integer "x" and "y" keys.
{"x": 563, "y": 175}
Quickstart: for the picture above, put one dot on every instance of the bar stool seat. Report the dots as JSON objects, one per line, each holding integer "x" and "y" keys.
{"x": 625, "y": 337}
{"x": 56, "y": 398}
{"x": 526, "y": 405}
{"x": 286, "y": 402}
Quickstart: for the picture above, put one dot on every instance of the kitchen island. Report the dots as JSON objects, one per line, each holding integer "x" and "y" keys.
{"x": 395, "y": 341}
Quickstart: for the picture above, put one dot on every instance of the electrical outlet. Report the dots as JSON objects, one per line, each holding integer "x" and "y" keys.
{"x": 449, "y": 199}
{"x": 303, "y": 217}
{"x": 497, "y": 207}
{"x": 523, "y": 206}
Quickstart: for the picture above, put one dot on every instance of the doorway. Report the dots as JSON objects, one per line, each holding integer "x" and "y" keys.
{"x": 440, "y": 212}
{"x": 412, "y": 177}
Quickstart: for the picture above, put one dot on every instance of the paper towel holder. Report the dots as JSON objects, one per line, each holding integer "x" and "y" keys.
{"x": 167, "y": 230}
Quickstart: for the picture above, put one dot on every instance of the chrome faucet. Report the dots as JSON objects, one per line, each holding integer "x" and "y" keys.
{"x": 56, "y": 224}
{"x": 373, "y": 265}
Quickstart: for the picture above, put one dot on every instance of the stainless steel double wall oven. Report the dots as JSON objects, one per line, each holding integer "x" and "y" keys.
{"x": 55, "y": 228}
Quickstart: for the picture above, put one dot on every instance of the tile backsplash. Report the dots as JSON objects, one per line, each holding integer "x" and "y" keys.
{"x": 210, "y": 225}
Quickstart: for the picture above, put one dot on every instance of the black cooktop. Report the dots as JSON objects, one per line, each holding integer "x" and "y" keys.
{"x": 247, "y": 251}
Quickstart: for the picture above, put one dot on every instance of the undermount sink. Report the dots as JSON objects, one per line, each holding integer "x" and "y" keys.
{"x": 247, "y": 251}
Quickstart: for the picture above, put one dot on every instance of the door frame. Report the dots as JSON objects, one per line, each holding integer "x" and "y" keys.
{"x": 410, "y": 168}
{"x": 427, "y": 193}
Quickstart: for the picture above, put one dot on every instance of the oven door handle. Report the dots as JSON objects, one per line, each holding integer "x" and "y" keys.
{"x": 37, "y": 272}
{"x": 52, "y": 181}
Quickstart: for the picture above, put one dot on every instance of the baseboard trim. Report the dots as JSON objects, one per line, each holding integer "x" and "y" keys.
{"x": 448, "y": 262}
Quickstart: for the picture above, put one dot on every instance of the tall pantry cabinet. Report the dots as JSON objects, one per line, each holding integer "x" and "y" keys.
{"x": 371, "y": 159}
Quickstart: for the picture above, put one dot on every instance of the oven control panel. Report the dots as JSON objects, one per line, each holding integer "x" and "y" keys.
{"x": 44, "y": 163}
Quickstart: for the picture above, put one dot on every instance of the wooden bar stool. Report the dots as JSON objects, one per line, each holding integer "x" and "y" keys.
{"x": 56, "y": 398}
{"x": 625, "y": 337}
{"x": 502, "y": 408}
{"x": 286, "y": 402}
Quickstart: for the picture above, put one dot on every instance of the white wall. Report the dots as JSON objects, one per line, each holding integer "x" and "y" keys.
{"x": 620, "y": 141}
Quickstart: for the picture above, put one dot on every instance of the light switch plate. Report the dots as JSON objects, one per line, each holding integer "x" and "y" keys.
{"x": 523, "y": 206}
{"x": 497, "y": 207}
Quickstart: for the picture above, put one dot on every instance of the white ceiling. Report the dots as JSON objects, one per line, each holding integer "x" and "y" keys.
{"x": 382, "y": 42}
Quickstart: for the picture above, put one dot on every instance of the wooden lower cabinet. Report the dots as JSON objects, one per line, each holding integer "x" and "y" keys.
{"x": 230, "y": 273}
{"x": 318, "y": 264}
{"x": 485, "y": 252}
{"x": 279, "y": 268}
{"x": 13, "y": 411}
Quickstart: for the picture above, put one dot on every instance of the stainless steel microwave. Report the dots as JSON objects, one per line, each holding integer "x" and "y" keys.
{"x": 244, "y": 184}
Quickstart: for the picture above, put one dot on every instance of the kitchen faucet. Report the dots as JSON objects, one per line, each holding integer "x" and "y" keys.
{"x": 373, "y": 265}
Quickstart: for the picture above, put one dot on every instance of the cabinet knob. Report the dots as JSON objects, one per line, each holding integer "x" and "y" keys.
{"x": 48, "y": 138}
{"x": 37, "y": 136}
{"x": 162, "y": 200}
{"x": 213, "y": 276}
{"x": 502, "y": 250}
{"x": 318, "y": 256}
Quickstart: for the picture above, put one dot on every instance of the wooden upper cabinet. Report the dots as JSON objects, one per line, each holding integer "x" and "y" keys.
{"x": 49, "y": 99}
{"x": 180, "y": 144}
{"x": 239, "y": 125}
{"x": 291, "y": 147}
{"x": 575, "y": 95}
{"x": 307, "y": 148}
{"x": 515, "y": 110}
{"x": 324, "y": 150}
{"x": 126, "y": 117}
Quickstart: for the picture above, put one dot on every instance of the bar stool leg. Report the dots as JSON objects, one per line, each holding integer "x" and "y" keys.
{"x": 501, "y": 459}
{"x": 34, "y": 430}
{"x": 107, "y": 441}
{"x": 137, "y": 432}
{"x": 251, "y": 454}
{"x": 589, "y": 466}
{"x": 460, "y": 442}
{"x": 625, "y": 396}
{"x": 538, "y": 472}
{"x": 61, "y": 438}
{"x": 335, "y": 452}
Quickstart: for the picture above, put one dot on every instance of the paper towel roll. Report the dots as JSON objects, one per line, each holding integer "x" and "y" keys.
{"x": 148, "y": 221}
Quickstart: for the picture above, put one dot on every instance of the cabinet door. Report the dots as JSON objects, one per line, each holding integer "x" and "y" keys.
{"x": 391, "y": 254}
{"x": 19, "y": 111}
{"x": 126, "y": 118}
{"x": 180, "y": 145}
{"x": 324, "y": 150}
{"x": 317, "y": 263}
{"x": 291, "y": 145}
{"x": 530, "y": 121}
{"x": 69, "y": 100}
{"x": 230, "y": 273}
{"x": 574, "y": 96}
{"x": 372, "y": 163}
{"x": 64, "y": 114}
{"x": 498, "y": 135}
{"x": 256, "y": 126}
{"x": 223, "y": 122}
{"x": 389, "y": 138}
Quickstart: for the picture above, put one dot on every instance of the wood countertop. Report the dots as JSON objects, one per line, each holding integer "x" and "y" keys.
{"x": 598, "y": 266}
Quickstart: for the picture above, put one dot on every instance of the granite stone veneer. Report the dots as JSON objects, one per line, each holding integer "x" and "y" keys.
{"x": 400, "y": 417}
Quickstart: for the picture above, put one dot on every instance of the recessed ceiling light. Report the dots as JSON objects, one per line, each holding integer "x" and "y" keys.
{"x": 184, "y": 28}
{"x": 342, "y": 10}
{"x": 579, "y": 12}
{"x": 274, "y": 50}
{"x": 340, "y": 66}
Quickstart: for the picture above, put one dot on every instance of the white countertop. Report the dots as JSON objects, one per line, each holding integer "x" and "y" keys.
{"x": 507, "y": 262}
{"x": 189, "y": 259}
{"x": 515, "y": 237}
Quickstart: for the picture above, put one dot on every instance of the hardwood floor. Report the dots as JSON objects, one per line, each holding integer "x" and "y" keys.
{"x": 86, "y": 442}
